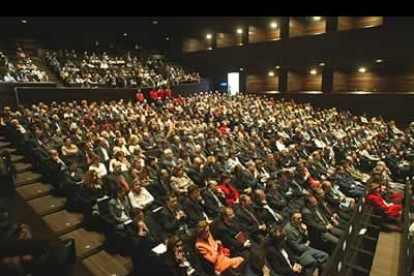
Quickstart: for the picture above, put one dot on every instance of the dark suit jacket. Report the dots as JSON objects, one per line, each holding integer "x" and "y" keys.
{"x": 212, "y": 207}
{"x": 316, "y": 226}
{"x": 168, "y": 221}
{"x": 278, "y": 262}
{"x": 197, "y": 177}
{"x": 115, "y": 212}
{"x": 227, "y": 234}
{"x": 250, "y": 224}
{"x": 212, "y": 172}
{"x": 69, "y": 180}
{"x": 194, "y": 210}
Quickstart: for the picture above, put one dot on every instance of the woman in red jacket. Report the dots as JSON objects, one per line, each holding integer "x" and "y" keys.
{"x": 391, "y": 211}
{"x": 232, "y": 195}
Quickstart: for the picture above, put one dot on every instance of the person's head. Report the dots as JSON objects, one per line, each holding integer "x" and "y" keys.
{"x": 198, "y": 162}
{"x": 178, "y": 171}
{"x": 311, "y": 201}
{"x": 260, "y": 196}
{"x": 198, "y": 148}
{"x": 73, "y": 165}
{"x": 225, "y": 178}
{"x": 174, "y": 244}
{"x": 319, "y": 193}
{"x": 96, "y": 160}
{"x": 277, "y": 237}
{"x": 90, "y": 178}
{"x": 137, "y": 164}
{"x": 251, "y": 166}
{"x": 117, "y": 167}
{"x": 54, "y": 155}
{"x": 202, "y": 230}
{"x": 245, "y": 200}
{"x": 211, "y": 160}
{"x": 194, "y": 191}
{"x": 137, "y": 186}
{"x": 68, "y": 142}
{"x": 296, "y": 218}
{"x": 120, "y": 191}
{"x": 213, "y": 185}
{"x": 374, "y": 187}
{"x": 172, "y": 201}
{"x": 137, "y": 215}
{"x": 168, "y": 154}
{"x": 326, "y": 185}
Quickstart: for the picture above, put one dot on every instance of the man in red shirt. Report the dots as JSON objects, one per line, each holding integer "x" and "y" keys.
{"x": 160, "y": 94}
{"x": 154, "y": 95}
{"x": 139, "y": 96}
{"x": 168, "y": 93}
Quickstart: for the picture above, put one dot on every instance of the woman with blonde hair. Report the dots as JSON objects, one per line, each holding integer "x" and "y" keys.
{"x": 213, "y": 251}
{"x": 391, "y": 211}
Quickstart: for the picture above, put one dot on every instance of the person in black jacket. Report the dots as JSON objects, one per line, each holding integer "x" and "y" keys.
{"x": 230, "y": 232}
{"x": 281, "y": 259}
{"x": 214, "y": 199}
{"x": 196, "y": 173}
{"x": 194, "y": 206}
{"x": 172, "y": 217}
{"x": 180, "y": 260}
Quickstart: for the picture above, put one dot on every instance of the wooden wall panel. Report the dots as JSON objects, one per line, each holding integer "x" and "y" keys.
{"x": 254, "y": 83}
{"x": 316, "y": 27}
{"x": 226, "y": 40}
{"x": 296, "y": 28}
{"x": 256, "y": 34}
{"x": 349, "y": 23}
{"x": 340, "y": 82}
{"x": 369, "y": 82}
{"x": 191, "y": 45}
{"x": 295, "y": 82}
{"x": 272, "y": 34}
{"x": 312, "y": 82}
{"x": 345, "y": 23}
{"x": 271, "y": 83}
{"x": 402, "y": 82}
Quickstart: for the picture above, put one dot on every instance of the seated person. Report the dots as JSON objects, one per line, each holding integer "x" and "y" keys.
{"x": 180, "y": 181}
{"x": 213, "y": 251}
{"x": 119, "y": 208}
{"x": 297, "y": 241}
{"x": 281, "y": 259}
{"x": 172, "y": 218}
{"x": 98, "y": 166}
{"x": 391, "y": 211}
{"x": 247, "y": 216}
{"x": 321, "y": 231}
{"x": 180, "y": 260}
{"x": 269, "y": 215}
{"x": 230, "y": 232}
{"x": 194, "y": 206}
{"x": 230, "y": 192}
{"x": 214, "y": 199}
{"x": 139, "y": 196}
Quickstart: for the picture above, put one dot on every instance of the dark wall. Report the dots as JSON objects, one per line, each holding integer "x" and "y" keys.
{"x": 391, "y": 106}
{"x": 8, "y": 95}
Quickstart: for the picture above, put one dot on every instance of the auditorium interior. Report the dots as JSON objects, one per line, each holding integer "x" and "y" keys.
{"x": 266, "y": 146}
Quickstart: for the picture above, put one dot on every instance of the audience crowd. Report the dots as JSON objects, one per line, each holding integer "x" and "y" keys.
{"x": 92, "y": 70}
{"x": 24, "y": 70}
{"x": 211, "y": 184}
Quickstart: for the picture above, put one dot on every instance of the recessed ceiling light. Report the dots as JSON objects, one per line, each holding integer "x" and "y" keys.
{"x": 154, "y": 22}
{"x": 271, "y": 73}
{"x": 273, "y": 25}
{"x": 125, "y": 34}
{"x": 239, "y": 31}
{"x": 24, "y": 21}
{"x": 313, "y": 72}
{"x": 379, "y": 61}
{"x": 241, "y": 69}
{"x": 277, "y": 67}
{"x": 317, "y": 18}
{"x": 322, "y": 64}
{"x": 209, "y": 36}
{"x": 362, "y": 69}
{"x": 167, "y": 38}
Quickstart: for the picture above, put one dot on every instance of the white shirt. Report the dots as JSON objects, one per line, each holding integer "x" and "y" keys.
{"x": 285, "y": 254}
{"x": 101, "y": 169}
{"x": 142, "y": 200}
{"x": 280, "y": 146}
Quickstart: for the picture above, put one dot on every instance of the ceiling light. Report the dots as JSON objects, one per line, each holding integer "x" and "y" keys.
{"x": 273, "y": 25}
{"x": 125, "y": 34}
{"x": 241, "y": 69}
{"x": 362, "y": 69}
{"x": 154, "y": 22}
{"x": 277, "y": 67}
{"x": 24, "y": 21}
{"x": 379, "y": 61}
{"x": 322, "y": 64}
{"x": 239, "y": 31}
{"x": 313, "y": 72}
{"x": 317, "y": 18}
{"x": 209, "y": 36}
{"x": 167, "y": 38}
{"x": 271, "y": 74}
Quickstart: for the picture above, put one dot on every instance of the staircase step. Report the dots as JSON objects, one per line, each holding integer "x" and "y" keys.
{"x": 4, "y": 144}
{"x": 87, "y": 243}
{"x": 47, "y": 204}
{"x": 22, "y": 167}
{"x": 27, "y": 177}
{"x": 34, "y": 190}
{"x": 62, "y": 222}
{"x": 16, "y": 158}
{"x": 104, "y": 264}
{"x": 10, "y": 150}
